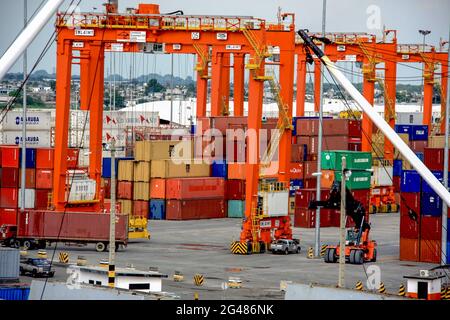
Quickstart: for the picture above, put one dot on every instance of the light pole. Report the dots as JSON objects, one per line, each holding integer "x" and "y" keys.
{"x": 424, "y": 33}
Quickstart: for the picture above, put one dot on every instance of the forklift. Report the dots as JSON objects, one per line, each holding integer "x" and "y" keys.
{"x": 358, "y": 246}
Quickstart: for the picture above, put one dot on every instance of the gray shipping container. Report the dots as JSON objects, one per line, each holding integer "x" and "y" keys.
{"x": 9, "y": 263}
{"x": 409, "y": 118}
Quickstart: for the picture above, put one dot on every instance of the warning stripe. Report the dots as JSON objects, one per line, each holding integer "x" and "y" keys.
{"x": 238, "y": 247}
{"x": 63, "y": 257}
{"x": 198, "y": 279}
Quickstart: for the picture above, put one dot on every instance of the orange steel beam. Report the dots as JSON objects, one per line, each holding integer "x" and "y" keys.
{"x": 428, "y": 76}
{"x": 317, "y": 77}
{"x": 225, "y": 83}
{"x": 368, "y": 93}
{"x": 202, "y": 84}
{"x": 96, "y": 112}
{"x": 444, "y": 84}
{"x": 238, "y": 84}
{"x": 391, "y": 93}
{"x": 216, "y": 84}
{"x": 63, "y": 82}
{"x": 301, "y": 85}
{"x": 84, "y": 80}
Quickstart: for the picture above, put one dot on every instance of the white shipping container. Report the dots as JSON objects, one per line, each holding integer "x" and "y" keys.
{"x": 382, "y": 176}
{"x": 409, "y": 118}
{"x": 30, "y": 195}
{"x": 82, "y": 190}
{"x": 275, "y": 204}
{"x": 35, "y": 120}
{"x": 40, "y": 139}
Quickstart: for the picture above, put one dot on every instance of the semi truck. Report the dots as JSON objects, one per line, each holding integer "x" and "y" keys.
{"x": 36, "y": 229}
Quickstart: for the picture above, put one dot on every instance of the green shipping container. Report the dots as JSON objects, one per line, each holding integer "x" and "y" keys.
{"x": 236, "y": 208}
{"x": 355, "y": 160}
{"x": 357, "y": 180}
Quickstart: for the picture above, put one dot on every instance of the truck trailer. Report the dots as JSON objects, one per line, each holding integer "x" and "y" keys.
{"x": 36, "y": 229}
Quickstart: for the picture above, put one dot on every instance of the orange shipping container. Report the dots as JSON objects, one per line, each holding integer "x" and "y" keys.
{"x": 44, "y": 158}
{"x": 30, "y": 178}
{"x": 236, "y": 171}
{"x": 296, "y": 170}
{"x": 158, "y": 188}
{"x": 195, "y": 188}
{"x": 409, "y": 249}
{"x": 327, "y": 178}
{"x": 430, "y": 251}
{"x": 44, "y": 179}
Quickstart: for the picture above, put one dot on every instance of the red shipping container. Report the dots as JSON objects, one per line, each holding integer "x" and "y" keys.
{"x": 45, "y": 158}
{"x": 309, "y": 168}
{"x": 434, "y": 158}
{"x": 72, "y": 158}
{"x": 354, "y": 128}
{"x": 409, "y": 200}
{"x": 30, "y": 178}
{"x": 362, "y": 196}
{"x": 331, "y": 127}
{"x": 303, "y": 197}
{"x": 328, "y": 143}
{"x": 10, "y": 157}
{"x": 42, "y": 199}
{"x": 409, "y": 228}
{"x": 44, "y": 179}
{"x": 195, "y": 209}
{"x": 430, "y": 228}
{"x": 125, "y": 190}
{"x": 335, "y": 220}
{"x": 304, "y": 218}
{"x": 310, "y": 183}
{"x": 296, "y": 170}
{"x": 9, "y": 177}
{"x": 195, "y": 188}
{"x": 418, "y": 146}
{"x": 409, "y": 249}
{"x": 397, "y": 182}
{"x": 8, "y": 216}
{"x": 140, "y": 208}
{"x": 158, "y": 188}
{"x": 355, "y": 146}
{"x": 235, "y": 190}
{"x": 297, "y": 152}
{"x": 223, "y": 123}
{"x": 8, "y": 197}
{"x": 430, "y": 251}
{"x": 107, "y": 188}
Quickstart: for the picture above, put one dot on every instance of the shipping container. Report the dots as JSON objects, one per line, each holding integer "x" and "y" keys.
{"x": 328, "y": 143}
{"x": 125, "y": 170}
{"x": 8, "y": 197}
{"x": 418, "y": 146}
{"x": 195, "y": 209}
{"x": 430, "y": 251}
{"x": 82, "y": 190}
{"x": 160, "y": 150}
{"x": 409, "y": 117}
{"x": 430, "y": 228}
{"x": 332, "y": 160}
{"x": 434, "y": 159}
{"x": 106, "y": 167}
{"x": 158, "y": 188}
{"x": 8, "y": 216}
{"x": 303, "y": 197}
{"x": 10, "y": 157}
{"x": 157, "y": 209}
{"x": 310, "y": 183}
{"x": 296, "y": 171}
{"x": 382, "y": 176}
{"x": 125, "y": 190}
{"x": 184, "y": 169}
{"x": 430, "y": 204}
{"x": 357, "y": 180}
{"x": 304, "y": 218}
{"x": 219, "y": 169}
{"x": 14, "y": 292}
{"x": 327, "y": 178}
{"x": 330, "y": 127}
{"x": 236, "y": 209}
{"x": 45, "y": 158}
{"x": 35, "y": 121}
{"x": 294, "y": 185}
{"x": 419, "y": 133}
{"x": 299, "y": 152}
{"x": 236, "y": 171}
{"x": 409, "y": 228}
{"x": 411, "y": 181}
{"x": 43, "y": 199}
{"x": 409, "y": 201}
{"x": 30, "y": 198}
{"x": 30, "y": 158}
{"x": 354, "y": 128}
{"x": 9, "y": 265}
{"x": 309, "y": 168}
{"x": 195, "y": 188}
{"x": 140, "y": 208}
{"x": 9, "y": 177}
{"x": 126, "y": 206}
{"x": 141, "y": 191}
{"x": 436, "y": 142}
{"x": 403, "y": 128}
{"x": 34, "y": 139}
{"x": 106, "y": 185}
{"x": 426, "y": 187}
{"x": 30, "y": 178}
{"x": 72, "y": 158}
{"x": 222, "y": 123}
{"x": 397, "y": 182}
{"x": 409, "y": 249}
{"x": 397, "y": 169}
{"x": 44, "y": 179}
{"x": 141, "y": 171}
{"x": 235, "y": 189}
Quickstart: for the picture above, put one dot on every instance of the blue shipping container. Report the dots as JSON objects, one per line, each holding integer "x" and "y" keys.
{"x": 397, "y": 168}
{"x": 14, "y": 292}
{"x": 418, "y": 132}
{"x": 448, "y": 252}
{"x": 403, "y": 128}
{"x": 30, "y": 158}
{"x": 157, "y": 209}
{"x": 430, "y": 204}
{"x": 420, "y": 155}
{"x": 193, "y": 126}
{"x": 426, "y": 187}
{"x": 106, "y": 166}
{"x": 294, "y": 185}
{"x": 410, "y": 181}
{"x": 219, "y": 169}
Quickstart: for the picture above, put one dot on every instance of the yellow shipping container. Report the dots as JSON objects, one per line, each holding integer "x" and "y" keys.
{"x": 126, "y": 206}
{"x": 141, "y": 191}
{"x": 165, "y": 149}
{"x": 142, "y": 171}
{"x": 436, "y": 142}
{"x": 125, "y": 168}
{"x": 185, "y": 169}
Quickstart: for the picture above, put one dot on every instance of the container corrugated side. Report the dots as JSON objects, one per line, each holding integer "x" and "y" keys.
{"x": 9, "y": 263}
{"x": 17, "y": 292}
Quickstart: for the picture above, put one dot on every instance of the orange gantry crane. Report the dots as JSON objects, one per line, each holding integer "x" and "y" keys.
{"x": 84, "y": 37}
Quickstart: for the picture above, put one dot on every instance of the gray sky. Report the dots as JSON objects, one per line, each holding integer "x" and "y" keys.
{"x": 407, "y": 16}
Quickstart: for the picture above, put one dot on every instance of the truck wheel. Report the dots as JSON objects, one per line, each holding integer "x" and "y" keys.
{"x": 326, "y": 255}
{"x": 374, "y": 258}
{"x": 22, "y": 272}
{"x": 299, "y": 249}
{"x": 351, "y": 258}
{"x": 100, "y": 247}
{"x": 332, "y": 255}
{"x": 286, "y": 251}
{"x": 34, "y": 273}
{"x": 42, "y": 244}
{"x": 16, "y": 244}
{"x": 27, "y": 244}
{"x": 359, "y": 257}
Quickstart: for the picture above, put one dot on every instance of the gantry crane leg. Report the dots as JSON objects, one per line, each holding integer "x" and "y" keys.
{"x": 238, "y": 90}
{"x": 301, "y": 85}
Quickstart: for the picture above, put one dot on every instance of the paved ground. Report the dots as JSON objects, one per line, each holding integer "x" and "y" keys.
{"x": 203, "y": 247}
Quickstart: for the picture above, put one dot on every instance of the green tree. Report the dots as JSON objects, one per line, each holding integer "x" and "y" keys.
{"x": 154, "y": 86}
